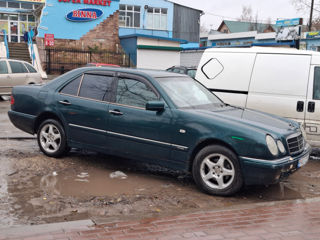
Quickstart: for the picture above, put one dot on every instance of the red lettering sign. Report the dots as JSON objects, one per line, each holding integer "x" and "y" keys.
{"x": 84, "y": 14}
{"x": 49, "y": 40}
{"x": 91, "y": 2}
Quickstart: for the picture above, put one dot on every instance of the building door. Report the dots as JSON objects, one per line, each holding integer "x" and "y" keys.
{"x": 14, "y": 32}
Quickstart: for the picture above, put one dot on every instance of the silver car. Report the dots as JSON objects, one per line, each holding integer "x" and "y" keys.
{"x": 16, "y": 72}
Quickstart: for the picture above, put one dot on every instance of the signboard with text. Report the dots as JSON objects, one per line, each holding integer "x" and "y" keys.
{"x": 289, "y": 22}
{"x": 49, "y": 40}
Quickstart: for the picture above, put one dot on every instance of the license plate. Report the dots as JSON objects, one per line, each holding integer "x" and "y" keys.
{"x": 303, "y": 161}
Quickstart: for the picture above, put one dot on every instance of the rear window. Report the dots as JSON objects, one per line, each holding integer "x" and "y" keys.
{"x": 72, "y": 87}
{"x": 17, "y": 67}
{"x": 3, "y": 67}
{"x": 316, "y": 84}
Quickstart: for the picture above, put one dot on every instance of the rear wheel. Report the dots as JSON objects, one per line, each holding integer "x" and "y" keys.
{"x": 52, "y": 138}
{"x": 216, "y": 171}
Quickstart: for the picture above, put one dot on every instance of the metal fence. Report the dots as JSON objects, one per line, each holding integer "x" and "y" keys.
{"x": 63, "y": 60}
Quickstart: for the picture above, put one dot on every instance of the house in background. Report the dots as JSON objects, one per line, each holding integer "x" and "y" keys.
{"x": 227, "y": 26}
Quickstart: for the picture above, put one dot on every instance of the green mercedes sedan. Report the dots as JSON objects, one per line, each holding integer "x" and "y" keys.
{"x": 162, "y": 118}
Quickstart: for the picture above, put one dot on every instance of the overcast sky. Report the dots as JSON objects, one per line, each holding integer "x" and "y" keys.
{"x": 217, "y": 10}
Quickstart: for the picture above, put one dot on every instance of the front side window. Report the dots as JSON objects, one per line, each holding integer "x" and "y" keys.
{"x": 316, "y": 84}
{"x": 129, "y": 16}
{"x": 17, "y": 67}
{"x": 188, "y": 93}
{"x": 3, "y": 67}
{"x": 96, "y": 87}
{"x": 157, "y": 18}
{"x": 134, "y": 93}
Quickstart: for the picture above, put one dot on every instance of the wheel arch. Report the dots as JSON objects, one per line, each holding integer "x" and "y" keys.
{"x": 205, "y": 143}
{"x": 44, "y": 116}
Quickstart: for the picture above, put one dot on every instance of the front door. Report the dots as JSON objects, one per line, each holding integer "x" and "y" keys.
{"x": 134, "y": 131}
{"x": 312, "y": 120}
{"x": 14, "y": 32}
{"x": 85, "y": 109}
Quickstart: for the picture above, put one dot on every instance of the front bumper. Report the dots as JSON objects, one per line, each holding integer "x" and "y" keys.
{"x": 265, "y": 172}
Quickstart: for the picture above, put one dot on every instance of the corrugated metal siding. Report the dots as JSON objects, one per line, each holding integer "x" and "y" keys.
{"x": 191, "y": 58}
{"x": 186, "y": 23}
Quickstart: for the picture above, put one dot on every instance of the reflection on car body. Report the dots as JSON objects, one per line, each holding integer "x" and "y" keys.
{"x": 162, "y": 118}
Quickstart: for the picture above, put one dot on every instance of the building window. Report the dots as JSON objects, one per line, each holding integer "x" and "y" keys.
{"x": 13, "y": 5}
{"x": 3, "y": 4}
{"x": 26, "y": 5}
{"x": 129, "y": 16}
{"x": 157, "y": 18}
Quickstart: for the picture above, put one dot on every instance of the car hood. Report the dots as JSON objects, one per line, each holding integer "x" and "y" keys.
{"x": 255, "y": 119}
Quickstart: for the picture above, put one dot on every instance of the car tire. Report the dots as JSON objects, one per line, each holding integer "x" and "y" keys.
{"x": 52, "y": 138}
{"x": 216, "y": 171}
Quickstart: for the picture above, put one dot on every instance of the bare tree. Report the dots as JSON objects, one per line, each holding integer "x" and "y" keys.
{"x": 304, "y": 7}
{"x": 246, "y": 15}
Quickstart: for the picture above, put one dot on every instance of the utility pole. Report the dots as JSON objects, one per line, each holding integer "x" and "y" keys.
{"x": 311, "y": 12}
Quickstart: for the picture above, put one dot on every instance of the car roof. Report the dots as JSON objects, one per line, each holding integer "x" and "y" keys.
{"x": 151, "y": 73}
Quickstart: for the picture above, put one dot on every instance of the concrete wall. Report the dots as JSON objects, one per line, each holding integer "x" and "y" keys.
{"x": 3, "y": 51}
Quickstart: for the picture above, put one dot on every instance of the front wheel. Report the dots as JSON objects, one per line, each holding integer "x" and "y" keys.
{"x": 52, "y": 138}
{"x": 216, "y": 171}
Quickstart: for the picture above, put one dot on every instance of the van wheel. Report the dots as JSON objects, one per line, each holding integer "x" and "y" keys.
{"x": 216, "y": 171}
{"x": 52, "y": 138}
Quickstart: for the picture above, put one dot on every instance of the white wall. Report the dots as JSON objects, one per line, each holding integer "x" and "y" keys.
{"x": 3, "y": 51}
{"x": 157, "y": 59}
{"x": 191, "y": 58}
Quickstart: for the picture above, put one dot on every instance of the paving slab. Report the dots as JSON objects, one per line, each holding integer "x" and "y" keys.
{"x": 299, "y": 219}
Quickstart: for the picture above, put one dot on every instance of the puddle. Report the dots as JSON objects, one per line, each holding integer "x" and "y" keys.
{"x": 99, "y": 182}
{"x": 272, "y": 193}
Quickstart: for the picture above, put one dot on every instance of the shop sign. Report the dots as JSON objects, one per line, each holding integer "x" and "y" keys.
{"x": 313, "y": 35}
{"x": 84, "y": 15}
{"x": 289, "y": 22}
{"x": 33, "y": 1}
{"x": 49, "y": 40}
{"x": 90, "y": 2}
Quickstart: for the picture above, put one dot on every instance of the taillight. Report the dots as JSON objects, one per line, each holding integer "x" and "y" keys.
{"x": 11, "y": 100}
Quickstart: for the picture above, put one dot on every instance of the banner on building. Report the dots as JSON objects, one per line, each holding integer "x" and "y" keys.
{"x": 288, "y": 33}
{"x": 313, "y": 35}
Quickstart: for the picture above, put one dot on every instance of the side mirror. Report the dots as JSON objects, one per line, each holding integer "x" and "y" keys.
{"x": 156, "y": 106}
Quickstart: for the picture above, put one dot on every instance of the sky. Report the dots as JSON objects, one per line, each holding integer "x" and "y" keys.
{"x": 217, "y": 10}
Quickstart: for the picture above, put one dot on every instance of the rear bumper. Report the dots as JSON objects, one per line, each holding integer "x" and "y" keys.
{"x": 265, "y": 172}
{"x": 24, "y": 122}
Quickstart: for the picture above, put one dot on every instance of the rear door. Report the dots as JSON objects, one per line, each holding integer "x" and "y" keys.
{"x": 312, "y": 120}
{"x": 83, "y": 104}
{"x": 18, "y": 73}
{"x": 5, "y": 86}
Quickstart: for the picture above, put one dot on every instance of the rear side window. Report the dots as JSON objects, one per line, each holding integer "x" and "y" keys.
{"x": 30, "y": 68}
{"x": 96, "y": 87}
{"x": 3, "y": 67}
{"x": 72, "y": 87}
{"x": 316, "y": 84}
{"x": 17, "y": 67}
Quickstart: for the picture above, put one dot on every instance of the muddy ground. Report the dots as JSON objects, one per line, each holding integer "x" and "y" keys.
{"x": 35, "y": 189}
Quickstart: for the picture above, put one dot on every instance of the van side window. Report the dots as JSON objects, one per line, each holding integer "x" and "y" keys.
{"x": 212, "y": 68}
{"x": 316, "y": 84}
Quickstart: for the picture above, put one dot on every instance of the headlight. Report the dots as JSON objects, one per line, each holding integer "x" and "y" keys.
{"x": 303, "y": 131}
{"x": 281, "y": 147}
{"x": 272, "y": 145}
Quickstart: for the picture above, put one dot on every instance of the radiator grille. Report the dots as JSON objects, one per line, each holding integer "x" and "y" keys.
{"x": 296, "y": 143}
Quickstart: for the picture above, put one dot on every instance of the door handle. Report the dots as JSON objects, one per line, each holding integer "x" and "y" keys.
{"x": 116, "y": 112}
{"x": 311, "y": 107}
{"x": 300, "y": 106}
{"x": 65, "y": 102}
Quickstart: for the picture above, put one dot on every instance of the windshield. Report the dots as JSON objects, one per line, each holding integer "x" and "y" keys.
{"x": 188, "y": 93}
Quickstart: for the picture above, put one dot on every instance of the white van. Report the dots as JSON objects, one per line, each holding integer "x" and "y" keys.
{"x": 281, "y": 81}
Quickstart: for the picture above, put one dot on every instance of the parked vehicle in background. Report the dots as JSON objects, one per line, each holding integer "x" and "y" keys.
{"x": 16, "y": 72}
{"x": 162, "y": 118}
{"x": 285, "y": 82}
{"x": 190, "y": 71}
{"x": 101, "y": 65}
